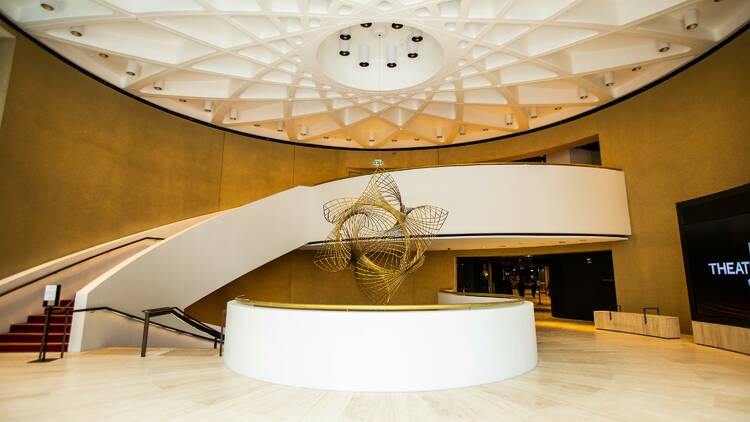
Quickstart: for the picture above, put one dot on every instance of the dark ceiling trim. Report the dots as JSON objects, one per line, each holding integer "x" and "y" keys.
{"x": 509, "y": 235}
{"x": 627, "y": 96}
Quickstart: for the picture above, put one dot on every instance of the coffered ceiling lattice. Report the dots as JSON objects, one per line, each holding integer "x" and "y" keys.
{"x": 261, "y": 66}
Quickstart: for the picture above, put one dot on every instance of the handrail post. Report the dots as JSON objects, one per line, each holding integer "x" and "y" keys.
{"x": 45, "y": 334}
{"x": 144, "y": 341}
{"x": 223, "y": 323}
{"x": 65, "y": 332}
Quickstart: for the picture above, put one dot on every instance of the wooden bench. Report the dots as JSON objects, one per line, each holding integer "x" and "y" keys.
{"x": 662, "y": 326}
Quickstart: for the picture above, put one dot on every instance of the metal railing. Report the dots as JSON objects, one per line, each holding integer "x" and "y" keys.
{"x": 216, "y": 335}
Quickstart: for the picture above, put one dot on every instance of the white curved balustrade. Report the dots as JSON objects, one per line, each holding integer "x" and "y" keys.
{"x": 386, "y": 348}
{"x": 482, "y": 200}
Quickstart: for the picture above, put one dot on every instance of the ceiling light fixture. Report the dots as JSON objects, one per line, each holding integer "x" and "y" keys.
{"x": 663, "y": 46}
{"x": 690, "y": 20}
{"x": 557, "y": 108}
{"x": 280, "y": 126}
{"x": 343, "y": 48}
{"x": 159, "y": 85}
{"x": 462, "y": 130}
{"x": 366, "y": 24}
{"x": 76, "y": 31}
{"x": 364, "y": 55}
{"x": 49, "y": 5}
{"x": 302, "y": 130}
{"x": 132, "y": 68}
{"x": 533, "y": 113}
{"x": 413, "y": 50}
{"x": 609, "y": 78}
{"x": 371, "y": 137}
{"x": 345, "y": 34}
{"x": 583, "y": 93}
{"x": 233, "y": 114}
{"x": 208, "y": 106}
{"x": 391, "y": 55}
{"x": 416, "y": 35}
{"x": 104, "y": 55}
{"x": 508, "y": 119}
{"x": 636, "y": 68}
{"x": 182, "y": 100}
{"x": 439, "y": 133}
{"x": 396, "y": 25}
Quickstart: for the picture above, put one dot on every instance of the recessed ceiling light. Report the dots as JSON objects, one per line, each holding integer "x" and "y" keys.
{"x": 508, "y": 119}
{"x": 690, "y": 20}
{"x": 104, "y": 55}
{"x": 182, "y": 100}
{"x": 462, "y": 129}
{"x": 366, "y": 24}
{"x": 558, "y": 108}
{"x": 636, "y": 68}
{"x": 663, "y": 46}
{"x": 348, "y": 139}
{"x": 208, "y": 106}
{"x": 396, "y": 25}
{"x": 49, "y": 5}
{"x": 484, "y": 129}
{"x": 416, "y": 139}
{"x": 583, "y": 93}
{"x": 233, "y": 114}
{"x": 256, "y": 124}
{"x": 76, "y": 31}
{"x": 394, "y": 140}
{"x": 416, "y": 35}
{"x": 533, "y": 113}
{"x": 132, "y": 68}
{"x": 413, "y": 49}
{"x": 345, "y": 34}
{"x": 364, "y": 55}
{"x": 609, "y": 78}
{"x": 326, "y": 137}
{"x": 159, "y": 85}
{"x": 280, "y": 126}
{"x": 391, "y": 56}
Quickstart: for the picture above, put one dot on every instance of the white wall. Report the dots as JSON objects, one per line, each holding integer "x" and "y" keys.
{"x": 480, "y": 199}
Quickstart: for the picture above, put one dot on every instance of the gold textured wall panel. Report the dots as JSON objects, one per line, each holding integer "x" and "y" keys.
{"x": 83, "y": 164}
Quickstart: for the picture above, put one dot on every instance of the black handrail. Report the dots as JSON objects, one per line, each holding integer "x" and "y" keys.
{"x": 127, "y": 315}
{"x": 218, "y": 336}
{"x": 81, "y": 261}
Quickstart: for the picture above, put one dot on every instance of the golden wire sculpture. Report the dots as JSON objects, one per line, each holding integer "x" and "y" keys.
{"x": 381, "y": 239}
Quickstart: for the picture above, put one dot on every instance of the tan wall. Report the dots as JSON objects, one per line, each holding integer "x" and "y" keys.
{"x": 82, "y": 164}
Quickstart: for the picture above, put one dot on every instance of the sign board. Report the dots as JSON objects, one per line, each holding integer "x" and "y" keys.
{"x": 52, "y": 294}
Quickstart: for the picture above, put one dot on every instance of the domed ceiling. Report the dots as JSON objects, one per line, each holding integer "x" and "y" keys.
{"x": 379, "y": 73}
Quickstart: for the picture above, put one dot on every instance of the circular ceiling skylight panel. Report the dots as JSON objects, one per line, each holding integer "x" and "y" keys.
{"x": 380, "y": 56}
{"x": 379, "y": 73}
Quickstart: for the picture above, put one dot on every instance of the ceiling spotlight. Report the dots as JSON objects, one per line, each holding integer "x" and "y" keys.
{"x": 182, "y": 100}
{"x": 256, "y": 124}
{"x": 508, "y": 119}
{"x": 302, "y": 130}
{"x": 49, "y": 5}
{"x": 391, "y": 56}
{"x": 208, "y": 106}
{"x": 364, "y": 55}
{"x": 416, "y": 35}
{"x": 326, "y": 137}
{"x": 366, "y": 24}
{"x": 280, "y": 126}
{"x": 583, "y": 93}
{"x": 345, "y": 34}
{"x": 609, "y": 78}
{"x": 413, "y": 50}
{"x": 104, "y": 55}
{"x": 394, "y": 140}
{"x": 690, "y": 20}
{"x": 533, "y": 113}
{"x": 439, "y": 133}
{"x": 343, "y": 48}
{"x": 557, "y": 108}
{"x": 663, "y": 46}
{"x": 233, "y": 114}
{"x": 416, "y": 139}
{"x": 158, "y": 85}
{"x": 348, "y": 139}
{"x": 462, "y": 130}
{"x": 395, "y": 25}
{"x": 371, "y": 137}
{"x": 132, "y": 68}
{"x": 636, "y": 68}
{"x": 76, "y": 31}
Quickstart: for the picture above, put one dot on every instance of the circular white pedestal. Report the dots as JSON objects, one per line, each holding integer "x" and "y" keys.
{"x": 396, "y": 350}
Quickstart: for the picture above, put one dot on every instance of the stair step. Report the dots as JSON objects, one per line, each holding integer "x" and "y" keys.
{"x": 55, "y": 318}
{"x": 32, "y": 338}
{"x": 27, "y": 327}
{"x": 28, "y": 347}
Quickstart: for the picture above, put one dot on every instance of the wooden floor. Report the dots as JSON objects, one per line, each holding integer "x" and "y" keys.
{"x": 583, "y": 375}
